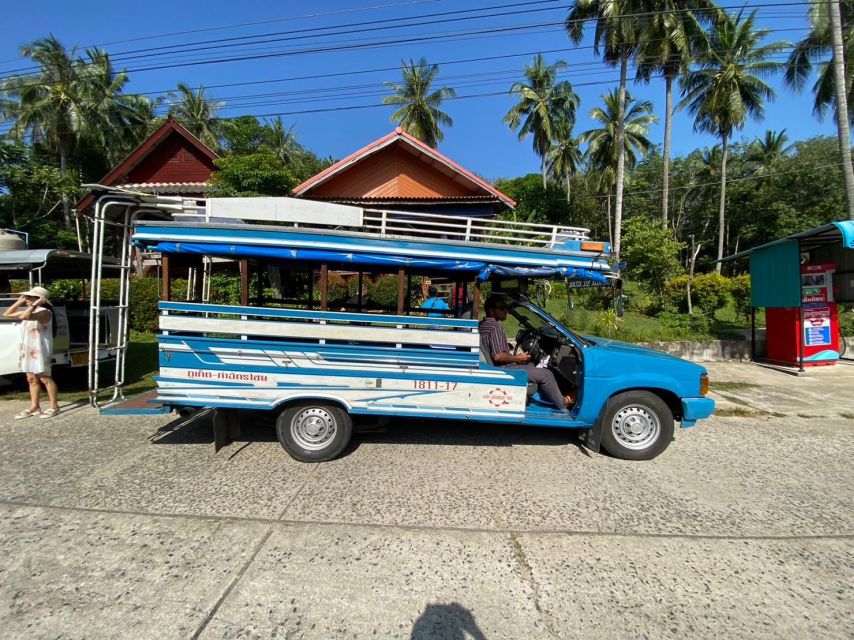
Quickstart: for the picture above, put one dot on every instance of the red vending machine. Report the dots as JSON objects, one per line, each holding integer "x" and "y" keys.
{"x": 820, "y": 331}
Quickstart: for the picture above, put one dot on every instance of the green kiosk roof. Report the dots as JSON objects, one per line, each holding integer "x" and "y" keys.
{"x": 775, "y": 268}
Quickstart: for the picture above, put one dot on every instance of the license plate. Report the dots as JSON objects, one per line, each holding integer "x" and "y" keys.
{"x": 80, "y": 358}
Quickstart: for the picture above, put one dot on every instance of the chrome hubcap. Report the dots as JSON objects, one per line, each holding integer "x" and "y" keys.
{"x": 636, "y": 427}
{"x": 313, "y": 429}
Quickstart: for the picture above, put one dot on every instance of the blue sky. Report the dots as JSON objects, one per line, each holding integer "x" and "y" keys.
{"x": 479, "y": 140}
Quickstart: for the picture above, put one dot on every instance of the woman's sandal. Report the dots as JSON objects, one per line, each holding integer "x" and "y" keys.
{"x": 26, "y": 413}
{"x": 49, "y": 413}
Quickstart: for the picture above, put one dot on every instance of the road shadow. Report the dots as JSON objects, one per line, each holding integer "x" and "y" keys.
{"x": 197, "y": 428}
{"x": 446, "y": 622}
{"x": 451, "y": 433}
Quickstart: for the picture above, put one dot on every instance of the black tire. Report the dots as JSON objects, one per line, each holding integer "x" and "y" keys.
{"x": 314, "y": 431}
{"x": 636, "y": 425}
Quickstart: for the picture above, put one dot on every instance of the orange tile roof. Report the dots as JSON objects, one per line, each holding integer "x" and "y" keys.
{"x": 423, "y": 173}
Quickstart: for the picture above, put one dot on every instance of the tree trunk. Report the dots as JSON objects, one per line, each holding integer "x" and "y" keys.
{"x": 543, "y": 166}
{"x": 695, "y": 251}
{"x": 66, "y": 207}
{"x": 568, "y": 186}
{"x": 621, "y": 161}
{"x": 610, "y": 226}
{"x": 722, "y": 210}
{"x": 668, "y": 122}
{"x": 842, "y": 103}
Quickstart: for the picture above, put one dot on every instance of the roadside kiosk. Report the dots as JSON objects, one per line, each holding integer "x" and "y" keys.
{"x": 800, "y": 280}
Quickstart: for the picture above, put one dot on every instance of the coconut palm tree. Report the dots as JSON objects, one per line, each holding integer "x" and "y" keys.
{"x": 831, "y": 23}
{"x": 543, "y": 102}
{"x": 671, "y": 31}
{"x": 727, "y": 88}
{"x": 283, "y": 141}
{"x": 602, "y": 151}
{"x": 564, "y": 156}
{"x": 765, "y": 150}
{"x": 816, "y": 50}
{"x": 617, "y": 34}
{"x": 196, "y": 111}
{"x": 113, "y": 122}
{"x": 47, "y": 107}
{"x": 419, "y": 114}
{"x": 602, "y": 142}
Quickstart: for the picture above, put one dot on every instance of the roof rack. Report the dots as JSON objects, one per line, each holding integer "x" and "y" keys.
{"x": 383, "y": 222}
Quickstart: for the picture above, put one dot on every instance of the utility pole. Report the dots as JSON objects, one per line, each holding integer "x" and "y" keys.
{"x": 841, "y": 102}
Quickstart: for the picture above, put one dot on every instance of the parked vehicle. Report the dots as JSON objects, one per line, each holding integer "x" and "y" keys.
{"x": 71, "y": 318}
{"x": 314, "y": 368}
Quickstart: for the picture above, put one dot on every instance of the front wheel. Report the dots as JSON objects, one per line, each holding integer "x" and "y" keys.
{"x": 314, "y": 431}
{"x": 637, "y": 425}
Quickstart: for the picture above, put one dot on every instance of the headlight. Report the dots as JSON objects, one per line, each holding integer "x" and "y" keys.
{"x": 704, "y": 384}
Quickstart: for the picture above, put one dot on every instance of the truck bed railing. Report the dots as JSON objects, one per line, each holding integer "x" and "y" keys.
{"x": 444, "y": 227}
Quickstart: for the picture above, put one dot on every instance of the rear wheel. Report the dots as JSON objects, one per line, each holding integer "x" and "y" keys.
{"x": 637, "y": 425}
{"x": 314, "y": 431}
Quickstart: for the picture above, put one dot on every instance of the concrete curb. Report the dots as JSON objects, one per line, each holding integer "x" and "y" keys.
{"x": 716, "y": 350}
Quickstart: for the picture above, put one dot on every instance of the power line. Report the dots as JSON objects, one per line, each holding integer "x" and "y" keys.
{"x": 345, "y": 96}
{"x": 408, "y": 40}
{"x": 492, "y": 32}
{"x": 301, "y": 34}
{"x": 250, "y": 24}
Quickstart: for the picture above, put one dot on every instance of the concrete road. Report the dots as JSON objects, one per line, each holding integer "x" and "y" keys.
{"x": 133, "y": 527}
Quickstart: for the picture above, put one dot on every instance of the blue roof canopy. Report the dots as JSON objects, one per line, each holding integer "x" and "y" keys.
{"x": 368, "y": 250}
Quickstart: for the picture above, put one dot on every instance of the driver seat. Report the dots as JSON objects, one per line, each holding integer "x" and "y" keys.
{"x": 486, "y": 357}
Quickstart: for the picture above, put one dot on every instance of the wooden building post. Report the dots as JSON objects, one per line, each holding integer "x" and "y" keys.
{"x": 167, "y": 277}
{"x": 401, "y": 291}
{"x": 259, "y": 289}
{"x": 310, "y": 287}
{"x": 324, "y": 287}
{"x": 199, "y": 281}
{"x": 475, "y": 310}
{"x": 244, "y": 282}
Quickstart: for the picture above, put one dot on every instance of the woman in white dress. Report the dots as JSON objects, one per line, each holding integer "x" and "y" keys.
{"x": 36, "y": 348}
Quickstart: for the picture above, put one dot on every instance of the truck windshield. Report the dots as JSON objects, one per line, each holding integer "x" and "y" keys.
{"x": 524, "y": 314}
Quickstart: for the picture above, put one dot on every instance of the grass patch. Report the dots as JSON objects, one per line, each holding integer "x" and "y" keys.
{"x": 731, "y": 386}
{"x": 849, "y": 416}
{"x": 73, "y": 387}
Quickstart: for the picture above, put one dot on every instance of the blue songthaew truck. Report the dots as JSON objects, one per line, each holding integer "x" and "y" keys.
{"x": 314, "y": 363}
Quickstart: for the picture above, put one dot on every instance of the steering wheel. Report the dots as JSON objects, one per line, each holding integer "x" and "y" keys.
{"x": 529, "y": 342}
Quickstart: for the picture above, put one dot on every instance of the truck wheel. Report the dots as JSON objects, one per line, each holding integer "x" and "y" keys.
{"x": 314, "y": 431}
{"x": 636, "y": 425}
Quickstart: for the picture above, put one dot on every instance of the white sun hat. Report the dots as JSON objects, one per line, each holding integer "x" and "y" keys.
{"x": 37, "y": 292}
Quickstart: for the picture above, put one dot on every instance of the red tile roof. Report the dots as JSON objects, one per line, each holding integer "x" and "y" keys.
{"x": 149, "y": 146}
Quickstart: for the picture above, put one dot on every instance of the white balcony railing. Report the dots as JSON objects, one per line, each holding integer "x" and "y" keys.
{"x": 445, "y": 227}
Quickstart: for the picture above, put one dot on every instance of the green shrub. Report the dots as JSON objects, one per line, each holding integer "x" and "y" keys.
{"x": 740, "y": 289}
{"x": 682, "y": 324}
{"x": 383, "y": 292}
{"x": 608, "y": 324}
{"x": 676, "y": 294}
{"x": 846, "y": 319}
{"x": 144, "y": 295}
{"x": 337, "y": 291}
{"x": 66, "y": 291}
{"x": 225, "y": 288}
{"x": 710, "y": 292}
